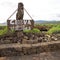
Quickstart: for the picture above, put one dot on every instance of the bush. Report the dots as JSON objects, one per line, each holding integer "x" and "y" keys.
{"x": 2, "y": 27}
{"x": 54, "y": 30}
{"x": 35, "y": 30}
{"x": 4, "y": 31}
{"x": 26, "y": 31}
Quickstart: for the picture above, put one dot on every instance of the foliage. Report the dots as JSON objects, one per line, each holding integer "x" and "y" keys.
{"x": 2, "y": 27}
{"x": 54, "y": 30}
{"x": 47, "y": 25}
{"x": 4, "y": 31}
{"x": 34, "y": 30}
{"x": 43, "y": 27}
{"x": 27, "y": 31}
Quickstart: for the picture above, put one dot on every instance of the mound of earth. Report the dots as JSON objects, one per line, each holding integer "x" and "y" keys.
{"x": 28, "y": 38}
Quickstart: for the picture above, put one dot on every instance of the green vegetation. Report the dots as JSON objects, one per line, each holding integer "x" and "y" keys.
{"x": 54, "y": 30}
{"x": 2, "y": 27}
{"x": 51, "y": 29}
{"x": 48, "y": 25}
{"x": 34, "y": 30}
{"x": 3, "y": 31}
{"x": 26, "y": 31}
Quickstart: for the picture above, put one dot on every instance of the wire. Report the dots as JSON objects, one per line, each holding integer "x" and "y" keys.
{"x": 16, "y": 10}
{"x": 12, "y": 14}
{"x": 28, "y": 13}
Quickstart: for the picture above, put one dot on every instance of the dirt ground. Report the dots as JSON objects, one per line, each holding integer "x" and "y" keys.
{"x": 42, "y": 56}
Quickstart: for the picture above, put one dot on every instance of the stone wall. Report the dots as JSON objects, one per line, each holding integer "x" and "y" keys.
{"x": 27, "y": 49}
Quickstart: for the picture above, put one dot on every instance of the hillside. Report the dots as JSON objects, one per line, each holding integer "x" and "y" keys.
{"x": 46, "y": 22}
{"x": 3, "y": 24}
{"x": 37, "y": 22}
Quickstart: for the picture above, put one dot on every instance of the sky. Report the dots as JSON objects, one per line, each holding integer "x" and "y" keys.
{"x": 38, "y": 9}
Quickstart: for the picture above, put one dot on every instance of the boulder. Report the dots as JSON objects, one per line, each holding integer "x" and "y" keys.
{"x": 25, "y": 37}
{"x": 54, "y": 38}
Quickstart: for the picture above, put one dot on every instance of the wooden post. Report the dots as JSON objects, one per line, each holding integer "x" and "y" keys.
{"x": 14, "y": 24}
{"x": 32, "y": 24}
{"x": 8, "y": 24}
{"x": 19, "y": 16}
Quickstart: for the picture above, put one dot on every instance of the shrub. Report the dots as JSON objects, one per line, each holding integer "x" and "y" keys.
{"x": 35, "y": 30}
{"x": 26, "y": 31}
{"x": 54, "y": 30}
{"x": 2, "y": 27}
{"x": 4, "y": 31}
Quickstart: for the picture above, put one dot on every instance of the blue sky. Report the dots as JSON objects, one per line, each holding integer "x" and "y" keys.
{"x": 38, "y": 9}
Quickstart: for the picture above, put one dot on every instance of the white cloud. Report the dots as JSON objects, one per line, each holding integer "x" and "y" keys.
{"x": 38, "y": 9}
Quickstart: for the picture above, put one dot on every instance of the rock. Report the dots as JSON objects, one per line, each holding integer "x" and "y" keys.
{"x": 45, "y": 40}
{"x": 31, "y": 36}
{"x": 40, "y": 39}
{"x": 19, "y": 34}
{"x": 32, "y": 41}
{"x": 25, "y": 37}
{"x": 48, "y": 37}
{"x": 54, "y": 38}
{"x": 24, "y": 41}
{"x": 1, "y": 41}
{"x": 58, "y": 35}
{"x": 5, "y": 41}
{"x": 36, "y": 37}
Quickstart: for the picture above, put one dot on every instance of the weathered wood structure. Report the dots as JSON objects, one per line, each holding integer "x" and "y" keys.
{"x": 19, "y": 23}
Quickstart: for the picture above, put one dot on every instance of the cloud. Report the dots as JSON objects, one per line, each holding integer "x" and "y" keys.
{"x": 38, "y": 9}
{"x": 7, "y": 4}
